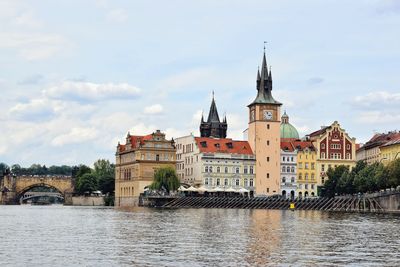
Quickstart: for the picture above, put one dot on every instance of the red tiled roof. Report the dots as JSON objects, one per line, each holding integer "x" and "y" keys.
{"x": 321, "y": 131}
{"x": 381, "y": 139}
{"x": 292, "y": 144}
{"x": 223, "y": 145}
{"x": 395, "y": 140}
{"x": 136, "y": 139}
{"x": 287, "y": 145}
{"x": 358, "y": 146}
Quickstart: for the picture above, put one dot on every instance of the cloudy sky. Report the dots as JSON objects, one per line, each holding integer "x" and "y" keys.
{"x": 76, "y": 75}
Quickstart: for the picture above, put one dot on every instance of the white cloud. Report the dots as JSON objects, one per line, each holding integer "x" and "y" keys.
{"x": 117, "y": 15}
{"x": 34, "y": 46}
{"x": 28, "y": 19}
{"x": 153, "y": 109}
{"x": 75, "y": 135}
{"x": 377, "y": 99}
{"x": 87, "y": 91}
{"x": 36, "y": 108}
{"x": 378, "y": 117}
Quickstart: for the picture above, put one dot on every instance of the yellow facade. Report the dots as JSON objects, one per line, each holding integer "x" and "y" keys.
{"x": 307, "y": 173}
{"x": 136, "y": 163}
{"x": 390, "y": 152}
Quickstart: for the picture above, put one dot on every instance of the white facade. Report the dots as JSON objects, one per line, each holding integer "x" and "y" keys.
{"x": 216, "y": 169}
{"x": 288, "y": 173}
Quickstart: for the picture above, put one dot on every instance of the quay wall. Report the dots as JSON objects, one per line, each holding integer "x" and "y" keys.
{"x": 390, "y": 203}
{"x": 87, "y": 201}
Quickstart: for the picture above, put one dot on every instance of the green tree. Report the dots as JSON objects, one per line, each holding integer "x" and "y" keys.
{"x": 4, "y": 169}
{"x": 105, "y": 173}
{"x": 334, "y": 175}
{"x": 393, "y": 173}
{"x": 86, "y": 183}
{"x": 165, "y": 178}
{"x": 16, "y": 169}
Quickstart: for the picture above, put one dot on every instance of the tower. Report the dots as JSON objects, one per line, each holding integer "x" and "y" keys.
{"x": 264, "y": 134}
{"x": 213, "y": 127}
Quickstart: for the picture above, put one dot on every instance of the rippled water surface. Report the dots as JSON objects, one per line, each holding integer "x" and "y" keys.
{"x": 76, "y": 236}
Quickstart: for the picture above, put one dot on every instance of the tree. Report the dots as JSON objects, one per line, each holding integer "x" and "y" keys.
{"x": 165, "y": 178}
{"x": 86, "y": 183}
{"x": 334, "y": 175}
{"x": 393, "y": 173}
{"x": 4, "y": 169}
{"x": 16, "y": 169}
{"x": 105, "y": 173}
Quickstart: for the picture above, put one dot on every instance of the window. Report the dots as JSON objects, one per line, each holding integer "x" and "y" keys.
{"x": 225, "y": 181}
{"x": 312, "y": 166}
{"x": 283, "y": 169}
{"x": 267, "y": 175}
{"x": 306, "y": 186}
{"x": 291, "y": 159}
{"x": 267, "y": 142}
{"x": 268, "y": 126}
{"x": 251, "y": 169}
{"x": 300, "y": 176}
{"x": 218, "y": 181}
{"x": 218, "y": 169}
{"x": 267, "y": 189}
{"x": 157, "y": 157}
{"x": 306, "y": 176}
{"x": 226, "y": 169}
{"x": 237, "y": 169}
{"x": 237, "y": 182}
{"x": 206, "y": 169}
{"x": 323, "y": 167}
{"x": 300, "y": 165}
{"x": 246, "y": 183}
{"x": 206, "y": 181}
{"x": 312, "y": 176}
{"x": 283, "y": 179}
{"x": 322, "y": 146}
{"x": 210, "y": 169}
{"x": 245, "y": 169}
{"x": 287, "y": 169}
{"x": 283, "y": 158}
{"x": 251, "y": 182}
{"x": 292, "y": 169}
{"x": 348, "y": 146}
{"x": 292, "y": 180}
{"x": 267, "y": 159}
{"x": 323, "y": 155}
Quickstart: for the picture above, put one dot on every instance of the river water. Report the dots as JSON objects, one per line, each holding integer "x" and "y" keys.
{"x": 86, "y": 236}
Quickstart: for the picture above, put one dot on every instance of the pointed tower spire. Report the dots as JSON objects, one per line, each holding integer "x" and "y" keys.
{"x": 213, "y": 114}
{"x": 258, "y": 78}
{"x": 202, "y": 117}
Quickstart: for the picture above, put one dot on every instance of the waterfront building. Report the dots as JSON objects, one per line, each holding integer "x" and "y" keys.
{"x": 334, "y": 147}
{"x": 288, "y": 169}
{"x": 264, "y": 134}
{"x": 213, "y": 127}
{"x": 215, "y": 162}
{"x": 307, "y": 181}
{"x": 136, "y": 162}
{"x": 371, "y": 150}
{"x": 288, "y": 158}
{"x": 390, "y": 150}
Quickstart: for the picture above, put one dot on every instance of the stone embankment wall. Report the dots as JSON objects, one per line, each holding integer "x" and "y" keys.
{"x": 390, "y": 203}
{"x": 87, "y": 201}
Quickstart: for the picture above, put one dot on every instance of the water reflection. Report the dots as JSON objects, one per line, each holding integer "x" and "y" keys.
{"x": 65, "y": 236}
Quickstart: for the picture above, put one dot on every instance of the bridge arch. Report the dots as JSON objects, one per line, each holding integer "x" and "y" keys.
{"x": 25, "y": 183}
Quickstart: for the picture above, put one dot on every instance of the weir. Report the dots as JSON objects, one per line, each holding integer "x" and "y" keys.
{"x": 366, "y": 203}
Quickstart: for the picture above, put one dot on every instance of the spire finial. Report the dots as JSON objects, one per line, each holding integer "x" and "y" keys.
{"x": 213, "y": 94}
{"x": 265, "y": 42}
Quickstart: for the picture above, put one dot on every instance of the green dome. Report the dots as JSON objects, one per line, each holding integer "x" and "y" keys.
{"x": 288, "y": 130}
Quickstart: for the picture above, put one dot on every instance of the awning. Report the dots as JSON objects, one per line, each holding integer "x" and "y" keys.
{"x": 182, "y": 188}
{"x": 243, "y": 190}
{"x": 202, "y": 189}
{"x": 230, "y": 189}
{"x": 192, "y": 189}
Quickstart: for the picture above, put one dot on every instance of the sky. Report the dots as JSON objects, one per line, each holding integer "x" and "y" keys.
{"x": 77, "y": 75}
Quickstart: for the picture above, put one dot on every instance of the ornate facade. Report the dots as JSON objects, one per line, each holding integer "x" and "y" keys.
{"x": 136, "y": 162}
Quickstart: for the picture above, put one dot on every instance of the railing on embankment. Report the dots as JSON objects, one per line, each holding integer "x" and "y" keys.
{"x": 352, "y": 203}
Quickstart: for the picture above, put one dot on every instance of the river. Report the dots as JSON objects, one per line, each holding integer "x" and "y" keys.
{"x": 86, "y": 236}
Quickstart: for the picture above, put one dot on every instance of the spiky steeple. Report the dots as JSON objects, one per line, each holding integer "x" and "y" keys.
{"x": 258, "y": 78}
{"x": 264, "y": 85}
{"x": 213, "y": 127}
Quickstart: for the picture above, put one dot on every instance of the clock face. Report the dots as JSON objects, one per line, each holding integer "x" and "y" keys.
{"x": 267, "y": 115}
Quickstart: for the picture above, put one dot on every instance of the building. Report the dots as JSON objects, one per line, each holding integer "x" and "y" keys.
{"x": 390, "y": 151}
{"x": 264, "y": 134}
{"x": 307, "y": 182}
{"x": 215, "y": 162}
{"x": 288, "y": 169}
{"x": 371, "y": 150}
{"x": 334, "y": 147}
{"x": 288, "y": 158}
{"x": 136, "y": 162}
{"x": 213, "y": 127}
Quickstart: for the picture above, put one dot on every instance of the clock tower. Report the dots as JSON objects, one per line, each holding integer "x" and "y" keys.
{"x": 264, "y": 134}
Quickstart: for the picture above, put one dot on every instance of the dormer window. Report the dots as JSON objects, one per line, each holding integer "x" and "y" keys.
{"x": 229, "y": 145}
{"x": 203, "y": 144}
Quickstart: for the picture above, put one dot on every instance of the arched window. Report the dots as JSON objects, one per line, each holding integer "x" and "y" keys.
{"x": 300, "y": 176}
{"x": 283, "y": 169}
{"x": 283, "y": 179}
{"x": 226, "y": 169}
{"x": 226, "y": 181}
{"x": 251, "y": 182}
{"x": 237, "y": 169}
{"x": 292, "y": 169}
{"x": 210, "y": 169}
{"x": 292, "y": 180}
{"x": 206, "y": 181}
{"x": 206, "y": 169}
{"x": 306, "y": 176}
{"x": 251, "y": 169}
{"x": 218, "y": 181}
{"x": 287, "y": 169}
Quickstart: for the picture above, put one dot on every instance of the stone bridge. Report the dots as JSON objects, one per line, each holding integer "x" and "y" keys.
{"x": 12, "y": 188}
